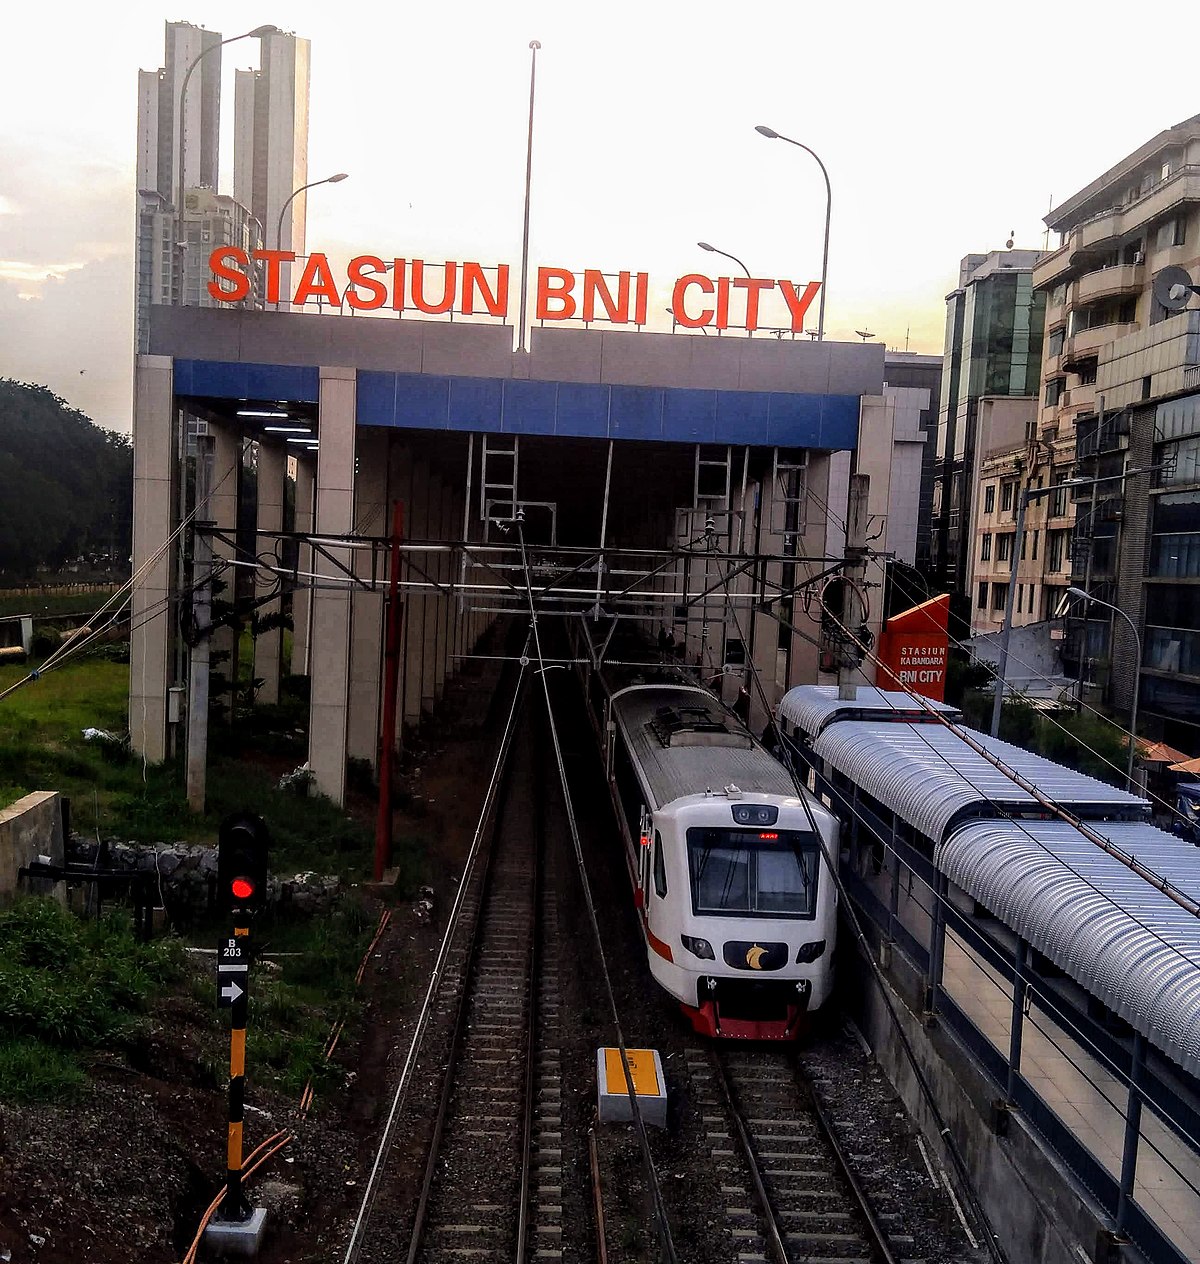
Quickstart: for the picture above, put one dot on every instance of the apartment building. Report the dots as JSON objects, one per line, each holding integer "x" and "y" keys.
{"x": 1121, "y": 391}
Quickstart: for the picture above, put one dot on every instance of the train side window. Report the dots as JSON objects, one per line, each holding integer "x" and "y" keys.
{"x": 660, "y": 868}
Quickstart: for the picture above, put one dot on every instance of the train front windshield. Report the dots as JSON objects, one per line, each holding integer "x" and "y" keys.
{"x": 753, "y": 873}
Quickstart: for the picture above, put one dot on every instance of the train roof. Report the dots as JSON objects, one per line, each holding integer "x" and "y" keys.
{"x": 684, "y": 741}
{"x": 1094, "y": 917}
{"x": 931, "y": 778}
{"x": 811, "y": 708}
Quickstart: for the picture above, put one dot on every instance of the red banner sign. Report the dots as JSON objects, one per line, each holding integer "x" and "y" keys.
{"x": 371, "y": 283}
{"x": 914, "y": 647}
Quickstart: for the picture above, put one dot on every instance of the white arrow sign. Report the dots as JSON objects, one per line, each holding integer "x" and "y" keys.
{"x": 231, "y": 992}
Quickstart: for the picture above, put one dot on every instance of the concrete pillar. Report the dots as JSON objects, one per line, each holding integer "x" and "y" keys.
{"x": 306, "y": 475}
{"x": 372, "y": 517}
{"x": 414, "y": 622}
{"x": 330, "y": 650}
{"x": 226, "y": 484}
{"x": 268, "y": 647}
{"x": 154, "y": 495}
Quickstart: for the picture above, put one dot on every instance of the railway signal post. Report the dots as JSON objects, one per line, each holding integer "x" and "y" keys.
{"x": 237, "y": 1228}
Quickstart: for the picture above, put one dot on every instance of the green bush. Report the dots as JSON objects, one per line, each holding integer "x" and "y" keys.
{"x": 32, "y": 1071}
{"x": 71, "y": 985}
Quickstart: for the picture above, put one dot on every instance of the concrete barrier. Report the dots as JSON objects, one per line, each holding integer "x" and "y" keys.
{"x": 29, "y": 828}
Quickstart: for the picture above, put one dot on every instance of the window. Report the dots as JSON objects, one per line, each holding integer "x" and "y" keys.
{"x": 981, "y": 601}
{"x": 1058, "y": 549}
{"x": 748, "y": 873}
{"x": 1054, "y": 390}
{"x": 1020, "y": 598}
{"x": 1024, "y": 544}
{"x": 989, "y": 498}
{"x": 1006, "y": 496}
{"x": 1058, "y": 498}
{"x": 1054, "y": 343}
{"x": 998, "y": 595}
{"x": 1087, "y": 373}
{"x": 1033, "y": 550}
{"x": 660, "y": 868}
{"x": 985, "y": 548}
{"x": 1032, "y": 598}
{"x": 1004, "y": 545}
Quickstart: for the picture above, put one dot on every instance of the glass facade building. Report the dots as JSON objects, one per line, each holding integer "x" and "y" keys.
{"x": 994, "y": 327}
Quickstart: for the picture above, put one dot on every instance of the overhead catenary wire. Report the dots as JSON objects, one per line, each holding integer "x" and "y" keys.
{"x": 925, "y": 1089}
{"x": 662, "y": 1222}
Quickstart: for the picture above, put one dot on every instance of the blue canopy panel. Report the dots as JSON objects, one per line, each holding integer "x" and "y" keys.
{"x": 424, "y": 401}
{"x": 225, "y": 379}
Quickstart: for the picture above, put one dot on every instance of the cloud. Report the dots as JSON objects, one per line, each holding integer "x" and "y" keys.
{"x": 7, "y": 206}
{"x": 35, "y": 274}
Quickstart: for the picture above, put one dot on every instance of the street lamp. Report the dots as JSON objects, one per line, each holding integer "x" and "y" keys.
{"x": 1029, "y": 493}
{"x": 1083, "y": 595}
{"x": 771, "y": 134}
{"x": 258, "y": 33}
{"x": 335, "y": 179}
{"x": 724, "y": 253}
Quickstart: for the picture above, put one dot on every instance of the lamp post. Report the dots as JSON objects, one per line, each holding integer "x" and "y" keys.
{"x": 1083, "y": 595}
{"x": 534, "y": 45}
{"x": 258, "y": 33}
{"x": 334, "y": 179}
{"x": 725, "y": 254}
{"x": 771, "y": 134}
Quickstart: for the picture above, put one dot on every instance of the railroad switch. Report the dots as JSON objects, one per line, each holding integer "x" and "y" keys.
{"x": 612, "y": 1088}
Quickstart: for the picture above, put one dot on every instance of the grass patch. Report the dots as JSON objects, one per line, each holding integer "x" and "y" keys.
{"x": 293, "y": 1008}
{"x": 70, "y": 985}
{"x": 54, "y": 603}
{"x": 33, "y": 1071}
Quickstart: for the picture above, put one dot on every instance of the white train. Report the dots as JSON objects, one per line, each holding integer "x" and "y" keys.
{"x": 732, "y": 888}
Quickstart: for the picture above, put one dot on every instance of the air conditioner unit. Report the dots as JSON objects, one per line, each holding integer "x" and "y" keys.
{"x": 1139, "y": 257}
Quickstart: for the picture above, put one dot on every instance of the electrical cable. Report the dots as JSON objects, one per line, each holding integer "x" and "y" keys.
{"x": 831, "y": 862}
{"x": 666, "y": 1241}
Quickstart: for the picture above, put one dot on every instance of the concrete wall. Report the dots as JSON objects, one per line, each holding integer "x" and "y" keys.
{"x": 29, "y": 828}
{"x": 1038, "y": 1214}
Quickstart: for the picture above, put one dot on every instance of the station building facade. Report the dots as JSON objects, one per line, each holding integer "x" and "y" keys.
{"x": 693, "y": 484}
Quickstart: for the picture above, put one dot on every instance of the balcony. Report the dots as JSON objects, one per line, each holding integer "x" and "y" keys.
{"x": 1086, "y": 343}
{"x": 1103, "y": 231}
{"x": 1125, "y": 278}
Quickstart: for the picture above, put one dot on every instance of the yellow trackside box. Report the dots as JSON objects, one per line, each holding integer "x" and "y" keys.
{"x": 612, "y": 1090}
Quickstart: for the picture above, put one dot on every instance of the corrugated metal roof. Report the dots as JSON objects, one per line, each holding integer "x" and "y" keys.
{"x": 812, "y": 707}
{"x": 1109, "y": 929}
{"x": 928, "y": 775}
{"x": 674, "y": 771}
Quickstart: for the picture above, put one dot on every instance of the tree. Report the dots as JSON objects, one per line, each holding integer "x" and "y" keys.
{"x": 66, "y": 484}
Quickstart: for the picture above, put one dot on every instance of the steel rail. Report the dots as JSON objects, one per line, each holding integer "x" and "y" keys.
{"x": 773, "y": 1234}
{"x": 461, "y": 1011}
{"x": 879, "y": 1242}
{"x": 532, "y": 1031}
{"x": 399, "y": 1098}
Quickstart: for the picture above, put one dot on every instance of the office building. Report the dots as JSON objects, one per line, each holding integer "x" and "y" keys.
{"x": 270, "y": 147}
{"x": 993, "y": 349}
{"x": 910, "y": 370}
{"x": 1122, "y": 380}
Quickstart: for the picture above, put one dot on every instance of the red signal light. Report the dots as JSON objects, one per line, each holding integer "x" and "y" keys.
{"x": 242, "y": 888}
{"x": 772, "y": 838}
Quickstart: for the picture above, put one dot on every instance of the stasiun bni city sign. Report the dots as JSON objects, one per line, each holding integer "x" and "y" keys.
{"x": 372, "y": 283}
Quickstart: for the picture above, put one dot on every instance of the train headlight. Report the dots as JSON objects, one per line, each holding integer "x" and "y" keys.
{"x": 755, "y": 814}
{"x": 808, "y": 953}
{"x": 698, "y": 947}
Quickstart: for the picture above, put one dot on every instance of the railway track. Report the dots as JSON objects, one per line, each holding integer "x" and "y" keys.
{"x": 491, "y": 1141}
{"x": 790, "y": 1195}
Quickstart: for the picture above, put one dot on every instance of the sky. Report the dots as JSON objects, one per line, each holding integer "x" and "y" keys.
{"x": 944, "y": 127}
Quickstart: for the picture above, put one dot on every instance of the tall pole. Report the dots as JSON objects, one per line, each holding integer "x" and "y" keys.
{"x": 856, "y": 552}
{"x": 771, "y": 134}
{"x": 1137, "y": 675}
{"x": 534, "y": 45}
{"x": 198, "y": 665}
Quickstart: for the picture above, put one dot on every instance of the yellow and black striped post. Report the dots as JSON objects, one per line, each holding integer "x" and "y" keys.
{"x": 234, "y": 1206}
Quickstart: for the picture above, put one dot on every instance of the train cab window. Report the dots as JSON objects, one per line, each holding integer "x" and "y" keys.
{"x": 660, "y": 867}
{"x": 751, "y": 873}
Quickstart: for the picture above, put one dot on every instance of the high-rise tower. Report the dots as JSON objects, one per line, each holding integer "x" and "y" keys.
{"x": 270, "y": 148}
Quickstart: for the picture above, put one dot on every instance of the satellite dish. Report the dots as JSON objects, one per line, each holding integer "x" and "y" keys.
{"x": 864, "y": 334}
{"x": 1172, "y": 287}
